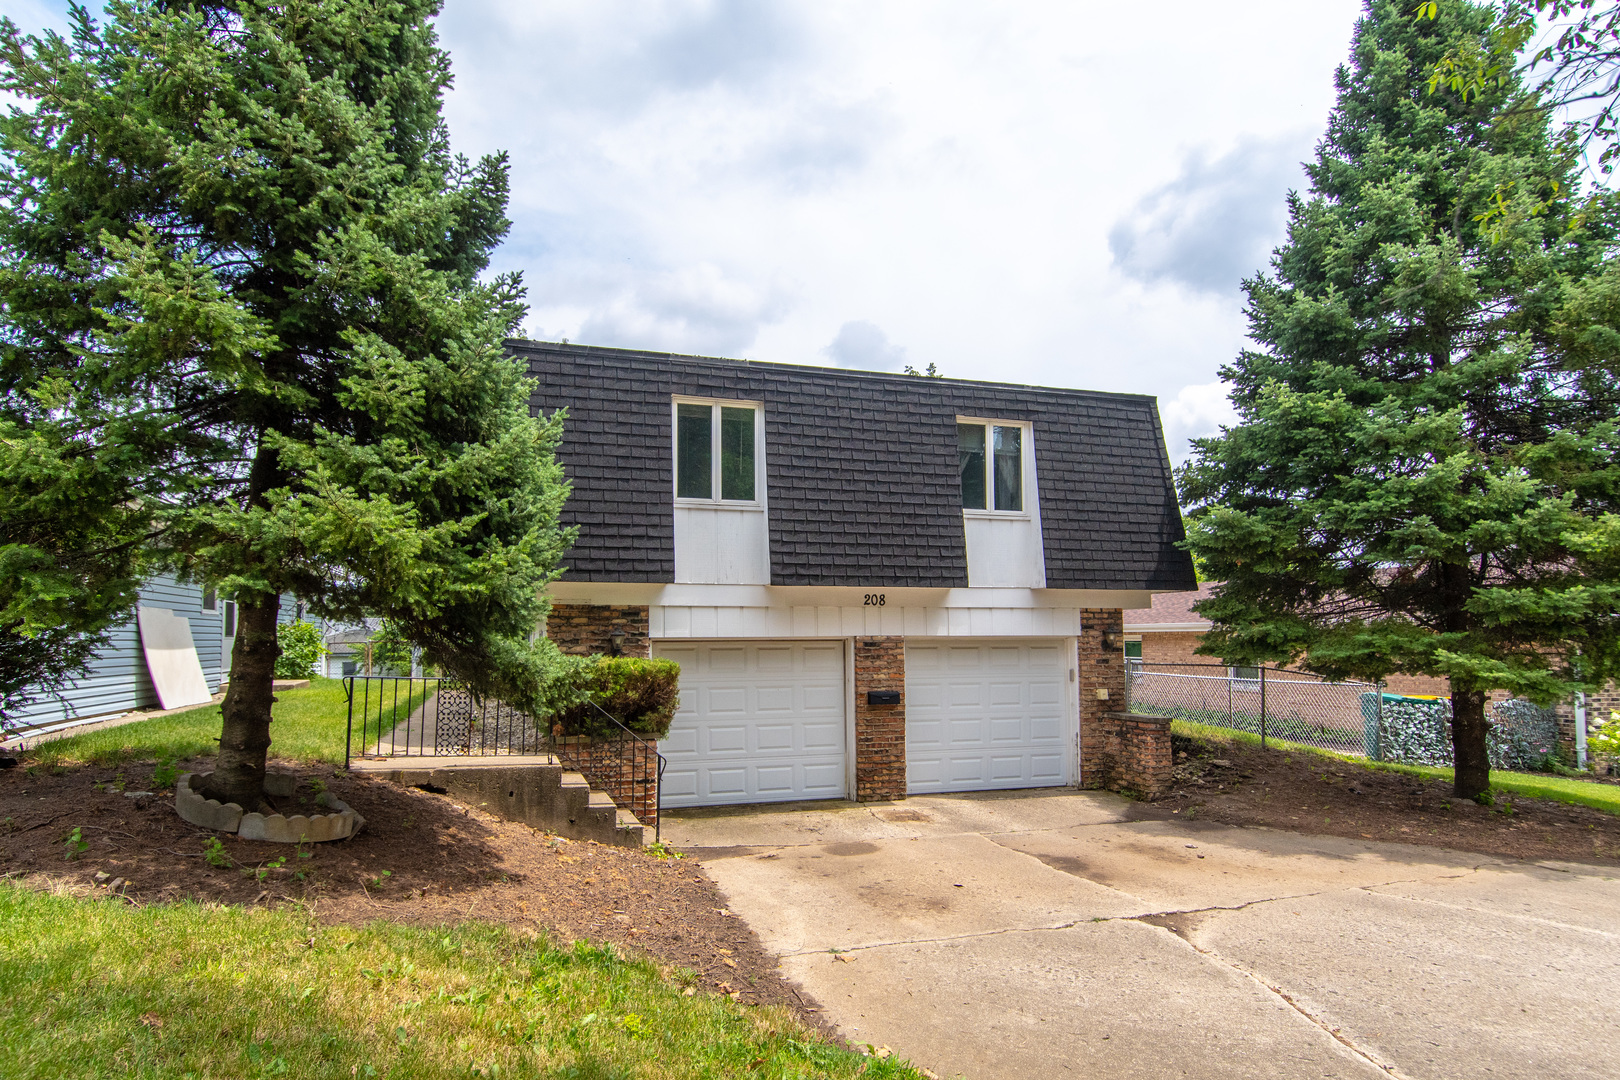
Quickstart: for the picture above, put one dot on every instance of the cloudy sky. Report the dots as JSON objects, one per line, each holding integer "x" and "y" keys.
{"x": 1041, "y": 192}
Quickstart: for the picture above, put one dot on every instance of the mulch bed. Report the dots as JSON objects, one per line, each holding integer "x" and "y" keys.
{"x": 421, "y": 859}
{"x": 1239, "y": 784}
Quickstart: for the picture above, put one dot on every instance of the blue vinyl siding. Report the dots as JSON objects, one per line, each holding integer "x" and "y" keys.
{"x": 118, "y": 681}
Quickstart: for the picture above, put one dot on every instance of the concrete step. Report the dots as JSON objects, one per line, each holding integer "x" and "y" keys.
{"x": 542, "y": 796}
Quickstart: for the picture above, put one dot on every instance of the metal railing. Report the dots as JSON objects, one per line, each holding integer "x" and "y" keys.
{"x": 437, "y": 716}
{"x": 658, "y": 778}
{"x": 1272, "y": 703}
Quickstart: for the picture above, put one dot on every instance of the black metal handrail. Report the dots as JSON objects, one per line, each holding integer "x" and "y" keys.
{"x": 472, "y": 726}
{"x": 658, "y": 786}
{"x": 461, "y": 722}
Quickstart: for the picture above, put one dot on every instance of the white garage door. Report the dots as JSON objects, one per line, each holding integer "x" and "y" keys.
{"x": 983, "y": 714}
{"x": 758, "y": 722}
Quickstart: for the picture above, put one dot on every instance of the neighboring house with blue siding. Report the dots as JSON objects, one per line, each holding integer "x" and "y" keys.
{"x": 118, "y": 681}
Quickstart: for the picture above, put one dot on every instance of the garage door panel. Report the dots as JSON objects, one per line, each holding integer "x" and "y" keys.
{"x": 774, "y": 780}
{"x": 824, "y": 738}
{"x": 726, "y": 661}
{"x": 823, "y": 660}
{"x": 1046, "y": 729}
{"x": 680, "y": 783}
{"x": 993, "y": 714}
{"x": 1005, "y": 730}
{"x": 726, "y": 700}
{"x": 725, "y": 782}
{"x": 1047, "y": 768}
{"x": 760, "y": 722}
{"x": 723, "y": 739}
{"x": 823, "y": 781}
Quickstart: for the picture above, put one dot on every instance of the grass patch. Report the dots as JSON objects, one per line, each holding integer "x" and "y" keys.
{"x": 1604, "y": 797}
{"x": 105, "y": 990}
{"x": 307, "y": 725}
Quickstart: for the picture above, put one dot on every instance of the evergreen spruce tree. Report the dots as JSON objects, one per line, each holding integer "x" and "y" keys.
{"x": 239, "y": 261}
{"x": 1426, "y": 469}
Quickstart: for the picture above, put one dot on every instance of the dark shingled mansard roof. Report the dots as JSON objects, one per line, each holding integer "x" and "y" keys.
{"x": 861, "y": 470}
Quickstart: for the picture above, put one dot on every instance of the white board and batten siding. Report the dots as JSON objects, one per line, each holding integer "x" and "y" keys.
{"x": 759, "y": 721}
{"x": 698, "y": 621}
{"x": 989, "y": 714}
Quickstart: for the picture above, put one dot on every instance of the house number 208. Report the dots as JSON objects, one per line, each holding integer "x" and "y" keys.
{"x": 874, "y": 599}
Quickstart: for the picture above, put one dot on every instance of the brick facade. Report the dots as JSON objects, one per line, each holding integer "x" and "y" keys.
{"x": 880, "y": 730}
{"x": 583, "y": 629}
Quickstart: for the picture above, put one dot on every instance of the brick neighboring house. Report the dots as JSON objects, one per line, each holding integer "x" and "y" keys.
{"x": 875, "y": 584}
{"x": 1168, "y": 631}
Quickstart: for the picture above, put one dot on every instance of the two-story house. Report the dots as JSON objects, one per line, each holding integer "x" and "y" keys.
{"x": 874, "y": 584}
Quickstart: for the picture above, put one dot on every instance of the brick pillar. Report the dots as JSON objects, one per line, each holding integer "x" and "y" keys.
{"x": 582, "y": 629}
{"x": 880, "y": 730}
{"x": 1102, "y": 672}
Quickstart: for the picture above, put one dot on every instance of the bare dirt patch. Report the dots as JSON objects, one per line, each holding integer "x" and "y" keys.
{"x": 1238, "y": 784}
{"x": 422, "y": 859}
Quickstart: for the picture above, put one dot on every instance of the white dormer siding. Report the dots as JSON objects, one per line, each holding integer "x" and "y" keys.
{"x": 1001, "y": 514}
{"x": 722, "y": 534}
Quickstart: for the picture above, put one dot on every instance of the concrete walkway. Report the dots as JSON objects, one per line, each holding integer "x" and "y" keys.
{"x": 1047, "y": 934}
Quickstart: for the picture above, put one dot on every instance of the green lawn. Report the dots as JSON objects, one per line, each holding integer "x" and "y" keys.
{"x": 1531, "y": 785}
{"x": 100, "y": 989}
{"x": 307, "y": 725}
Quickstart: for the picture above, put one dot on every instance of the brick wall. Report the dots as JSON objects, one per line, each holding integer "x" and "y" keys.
{"x": 624, "y": 769}
{"x": 1144, "y": 761}
{"x": 880, "y": 730}
{"x": 582, "y": 629}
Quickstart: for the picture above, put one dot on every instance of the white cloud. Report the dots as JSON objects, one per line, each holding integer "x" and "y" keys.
{"x": 748, "y": 177}
{"x": 1217, "y": 222}
{"x": 862, "y": 344}
{"x": 1195, "y": 412}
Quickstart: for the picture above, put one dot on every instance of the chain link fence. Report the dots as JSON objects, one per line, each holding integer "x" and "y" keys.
{"x": 1269, "y": 702}
{"x": 1350, "y": 717}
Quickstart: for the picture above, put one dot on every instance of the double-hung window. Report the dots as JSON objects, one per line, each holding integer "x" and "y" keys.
{"x": 990, "y": 457}
{"x": 717, "y": 452}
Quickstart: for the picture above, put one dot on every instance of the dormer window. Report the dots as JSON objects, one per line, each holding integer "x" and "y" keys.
{"x": 717, "y": 452}
{"x": 990, "y": 457}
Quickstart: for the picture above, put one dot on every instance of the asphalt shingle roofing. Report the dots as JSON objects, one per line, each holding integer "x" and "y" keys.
{"x": 861, "y": 470}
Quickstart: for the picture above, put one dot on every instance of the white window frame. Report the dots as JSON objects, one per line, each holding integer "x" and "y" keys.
{"x": 1026, "y": 462}
{"x": 1244, "y": 682}
{"x": 715, "y": 404}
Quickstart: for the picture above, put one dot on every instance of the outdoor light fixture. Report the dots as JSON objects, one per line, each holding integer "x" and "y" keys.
{"x": 616, "y": 641}
{"x": 1113, "y": 639}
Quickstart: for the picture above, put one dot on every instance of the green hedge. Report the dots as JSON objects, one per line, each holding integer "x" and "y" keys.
{"x": 643, "y": 694}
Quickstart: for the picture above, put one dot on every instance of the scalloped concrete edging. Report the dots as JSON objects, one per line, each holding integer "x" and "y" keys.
{"x": 341, "y": 824}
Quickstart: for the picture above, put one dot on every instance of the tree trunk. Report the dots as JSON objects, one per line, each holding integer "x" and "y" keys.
{"x": 245, "y": 738}
{"x": 1471, "y": 762}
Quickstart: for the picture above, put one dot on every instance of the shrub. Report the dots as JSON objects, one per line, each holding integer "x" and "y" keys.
{"x": 1606, "y": 739}
{"x": 301, "y": 649}
{"x": 642, "y": 694}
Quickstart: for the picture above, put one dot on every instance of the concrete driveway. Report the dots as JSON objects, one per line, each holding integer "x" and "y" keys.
{"x": 1048, "y": 934}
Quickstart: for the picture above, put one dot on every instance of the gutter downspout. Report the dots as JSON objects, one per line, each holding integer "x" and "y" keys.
{"x": 1580, "y": 729}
